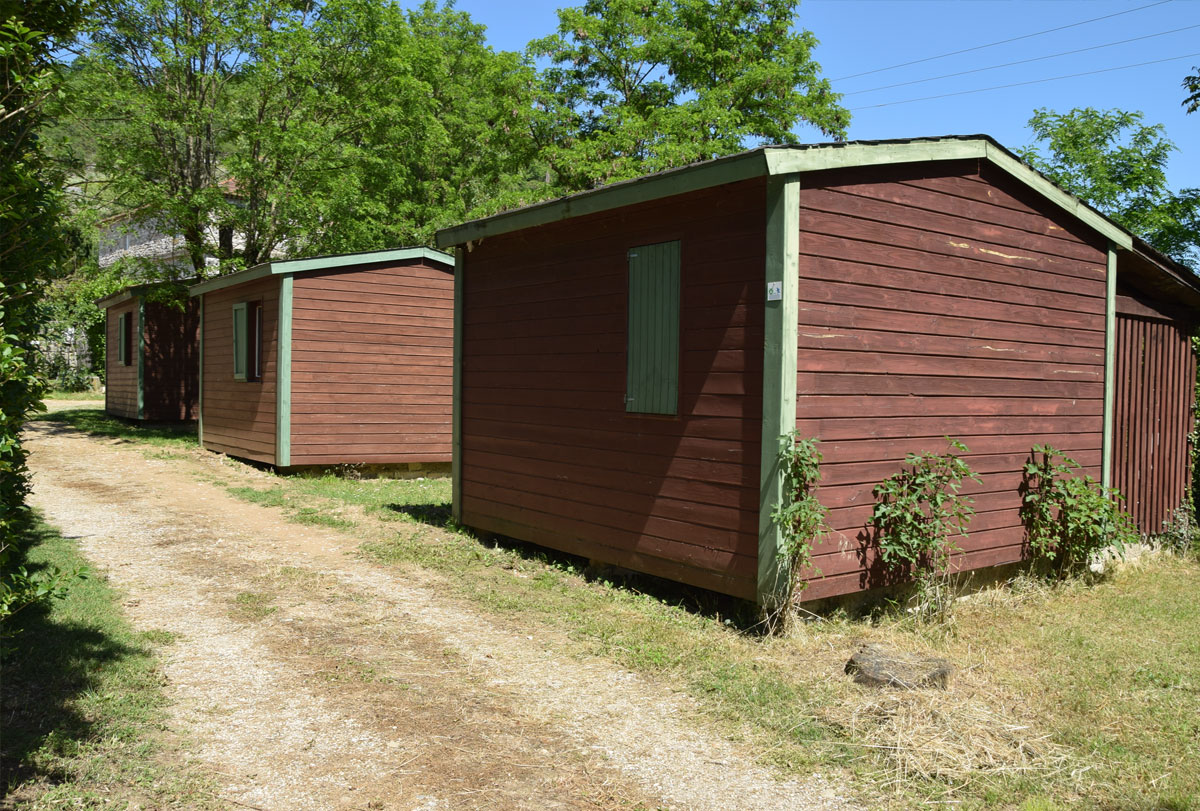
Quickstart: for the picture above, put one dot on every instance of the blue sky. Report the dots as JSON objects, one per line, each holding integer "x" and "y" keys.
{"x": 865, "y": 35}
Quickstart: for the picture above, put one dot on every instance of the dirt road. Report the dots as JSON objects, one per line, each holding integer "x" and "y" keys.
{"x": 303, "y": 677}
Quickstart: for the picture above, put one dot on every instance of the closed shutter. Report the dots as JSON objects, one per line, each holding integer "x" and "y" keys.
{"x": 240, "y": 344}
{"x": 652, "y": 349}
{"x": 123, "y": 339}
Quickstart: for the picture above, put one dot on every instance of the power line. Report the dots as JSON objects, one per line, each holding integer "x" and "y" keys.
{"x": 1001, "y": 42}
{"x": 1022, "y": 84}
{"x": 1022, "y": 61}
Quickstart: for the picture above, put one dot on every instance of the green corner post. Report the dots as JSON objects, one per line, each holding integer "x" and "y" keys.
{"x": 460, "y": 292}
{"x": 779, "y": 374}
{"x": 141, "y": 386}
{"x": 1110, "y": 365}
{"x": 283, "y": 376}
{"x": 200, "y": 377}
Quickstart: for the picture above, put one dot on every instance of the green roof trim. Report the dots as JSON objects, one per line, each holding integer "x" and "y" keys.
{"x": 287, "y": 267}
{"x": 774, "y": 161}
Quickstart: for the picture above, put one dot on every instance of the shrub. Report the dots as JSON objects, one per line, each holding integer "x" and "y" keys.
{"x": 1069, "y": 519}
{"x": 800, "y": 516}
{"x": 917, "y": 513}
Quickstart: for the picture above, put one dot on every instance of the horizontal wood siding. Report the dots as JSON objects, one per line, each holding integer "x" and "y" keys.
{"x": 172, "y": 361}
{"x": 121, "y": 381}
{"x": 1156, "y": 376}
{"x": 239, "y": 416}
{"x": 549, "y": 453}
{"x": 372, "y": 365}
{"x": 939, "y": 301}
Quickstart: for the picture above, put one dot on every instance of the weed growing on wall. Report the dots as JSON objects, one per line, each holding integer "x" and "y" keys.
{"x": 918, "y": 512}
{"x": 800, "y": 516}
{"x": 1069, "y": 518}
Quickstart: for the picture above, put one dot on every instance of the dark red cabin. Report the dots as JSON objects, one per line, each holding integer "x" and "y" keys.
{"x": 330, "y": 360}
{"x": 151, "y": 355}
{"x": 629, "y": 358}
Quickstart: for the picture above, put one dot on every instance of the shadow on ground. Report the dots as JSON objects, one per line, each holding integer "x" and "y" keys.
{"x": 97, "y": 423}
{"x": 46, "y": 667}
{"x": 743, "y": 614}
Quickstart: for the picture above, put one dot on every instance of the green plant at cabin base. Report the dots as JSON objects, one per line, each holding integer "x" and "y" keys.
{"x": 917, "y": 513}
{"x": 799, "y": 515}
{"x": 1180, "y": 532}
{"x": 1069, "y": 519}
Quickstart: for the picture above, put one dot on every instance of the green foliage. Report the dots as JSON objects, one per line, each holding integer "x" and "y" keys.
{"x": 1180, "y": 532}
{"x": 67, "y": 311}
{"x": 306, "y": 128}
{"x": 1191, "y": 85}
{"x": 1069, "y": 519}
{"x": 636, "y": 86}
{"x": 1113, "y": 161}
{"x": 31, "y": 242}
{"x": 800, "y": 515}
{"x": 918, "y": 512}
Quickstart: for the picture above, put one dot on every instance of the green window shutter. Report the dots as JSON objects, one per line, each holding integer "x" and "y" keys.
{"x": 240, "y": 323}
{"x": 123, "y": 339}
{"x": 652, "y": 348}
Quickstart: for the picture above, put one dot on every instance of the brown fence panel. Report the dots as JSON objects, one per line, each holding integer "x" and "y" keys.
{"x": 1156, "y": 373}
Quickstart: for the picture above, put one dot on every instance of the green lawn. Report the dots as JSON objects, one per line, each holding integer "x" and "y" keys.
{"x": 93, "y": 421}
{"x": 83, "y": 706}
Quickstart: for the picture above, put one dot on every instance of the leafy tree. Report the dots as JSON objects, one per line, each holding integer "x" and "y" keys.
{"x": 308, "y": 127}
{"x": 1113, "y": 161}
{"x": 637, "y": 86}
{"x": 1191, "y": 84}
{"x": 373, "y": 127}
{"x": 31, "y": 242}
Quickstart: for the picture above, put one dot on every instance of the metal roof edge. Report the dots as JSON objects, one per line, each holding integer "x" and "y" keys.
{"x": 786, "y": 159}
{"x": 287, "y": 267}
{"x": 694, "y": 177}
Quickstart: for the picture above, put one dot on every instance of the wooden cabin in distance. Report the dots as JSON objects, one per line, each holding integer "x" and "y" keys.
{"x": 330, "y": 360}
{"x": 151, "y": 354}
{"x": 628, "y": 359}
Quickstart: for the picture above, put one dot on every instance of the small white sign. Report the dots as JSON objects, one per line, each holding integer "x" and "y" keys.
{"x": 774, "y": 291}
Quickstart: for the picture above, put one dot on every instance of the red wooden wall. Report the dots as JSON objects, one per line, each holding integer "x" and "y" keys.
{"x": 121, "y": 381}
{"x": 171, "y": 385}
{"x": 239, "y": 416}
{"x": 937, "y": 301}
{"x": 373, "y": 365}
{"x": 1156, "y": 374}
{"x": 549, "y": 453}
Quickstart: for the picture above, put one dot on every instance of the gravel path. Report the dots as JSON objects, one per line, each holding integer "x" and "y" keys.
{"x": 308, "y": 678}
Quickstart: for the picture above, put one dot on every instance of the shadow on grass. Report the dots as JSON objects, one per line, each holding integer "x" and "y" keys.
{"x": 435, "y": 515}
{"x": 46, "y": 667}
{"x": 741, "y": 613}
{"x": 97, "y": 423}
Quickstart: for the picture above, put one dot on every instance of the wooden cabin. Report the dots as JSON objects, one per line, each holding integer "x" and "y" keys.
{"x": 628, "y": 358}
{"x": 330, "y": 360}
{"x": 151, "y": 351}
{"x": 1157, "y": 313}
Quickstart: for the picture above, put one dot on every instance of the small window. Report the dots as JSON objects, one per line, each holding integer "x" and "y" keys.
{"x": 124, "y": 339}
{"x": 652, "y": 345}
{"x": 247, "y": 341}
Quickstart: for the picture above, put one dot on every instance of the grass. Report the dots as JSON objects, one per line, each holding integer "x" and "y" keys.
{"x": 1071, "y": 695}
{"x": 75, "y": 395}
{"x": 97, "y": 423}
{"x": 83, "y": 701}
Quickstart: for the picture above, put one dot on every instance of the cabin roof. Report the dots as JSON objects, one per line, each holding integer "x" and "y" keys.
{"x": 783, "y": 160}
{"x": 134, "y": 290}
{"x": 287, "y": 267}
